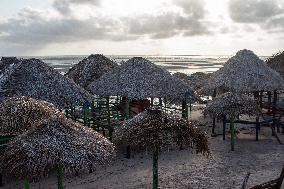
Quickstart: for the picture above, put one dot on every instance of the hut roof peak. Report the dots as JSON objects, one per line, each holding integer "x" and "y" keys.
{"x": 34, "y": 78}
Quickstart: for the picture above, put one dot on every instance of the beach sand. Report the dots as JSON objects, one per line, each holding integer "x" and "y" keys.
{"x": 183, "y": 168}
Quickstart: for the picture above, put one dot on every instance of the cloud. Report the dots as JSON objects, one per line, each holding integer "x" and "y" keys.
{"x": 33, "y": 29}
{"x": 189, "y": 22}
{"x": 253, "y": 11}
{"x": 268, "y": 14}
{"x": 63, "y": 6}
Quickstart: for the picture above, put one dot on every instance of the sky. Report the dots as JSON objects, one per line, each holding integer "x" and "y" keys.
{"x": 140, "y": 27}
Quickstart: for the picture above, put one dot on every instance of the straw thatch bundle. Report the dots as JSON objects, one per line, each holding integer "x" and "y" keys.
{"x": 276, "y": 62}
{"x": 154, "y": 129}
{"x": 245, "y": 72}
{"x": 196, "y": 80}
{"x": 54, "y": 143}
{"x": 232, "y": 105}
{"x": 33, "y": 78}
{"x": 17, "y": 114}
{"x": 139, "y": 78}
{"x": 90, "y": 69}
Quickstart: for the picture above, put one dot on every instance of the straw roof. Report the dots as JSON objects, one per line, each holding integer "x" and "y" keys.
{"x": 56, "y": 142}
{"x": 34, "y": 78}
{"x": 17, "y": 114}
{"x": 276, "y": 62}
{"x": 139, "y": 78}
{"x": 196, "y": 80}
{"x": 245, "y": 72}
{"x": 154, "y": 129}
{"x": 90, "y": 69}
{"x": 232, "y": 105}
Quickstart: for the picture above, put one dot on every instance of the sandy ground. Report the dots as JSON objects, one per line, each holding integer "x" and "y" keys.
{"x": 184, "y": 169}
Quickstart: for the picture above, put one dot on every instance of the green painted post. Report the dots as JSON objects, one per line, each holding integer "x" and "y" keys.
{"x": 110, "y": 130}
{"x": 60, "y": 177}
{"x": 126, "y": 118}
{"x": 233, "y": 135}
{"x": 26, "y": 184}
{"x": 86, "y": 108}
{"x": 155, "y": 168}
{"x": 186, "y": 106}
{"x": 126, "y": 108}
{"x": 160, "y": 102}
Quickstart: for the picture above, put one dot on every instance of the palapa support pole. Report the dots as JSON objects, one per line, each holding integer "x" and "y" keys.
{"x": 190, "y": 104}
{"x": 152, "y": 101}
{"x": 269, "y": 101}
{"x": 160, "y": 102}
{"x": 260, "y": 99}
{"x": 155, "y": 168}
{"x": 213, "y": 126}
{"x": 274, "y": 104}
{"x": 60, "y": 177}
{"x": 186, "y": 106}
{"x": 126, "y": 118}
{"x": 26, "y": 184}
{"x": 224, "y": 128}
{"x": 233, "y": 135}
{"x": 126, "y": 108}
{"x": 1, "y": 180}
{"x": 110, "y": 130}
{"x": 85, "y": 116}
{"x": 257, "y": 128}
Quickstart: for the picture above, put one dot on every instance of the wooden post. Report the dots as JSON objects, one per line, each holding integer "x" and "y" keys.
{"x": 1, "y": 180}
{"x": 126, "y": 108}
{"x": 224, "y": 128}
{"x": 186, "y": 106}
{"x": 86, "y": 107}
{"x": 110, "y": 130}
{"x": 257, "y": 127}
{"x": 190, "y": 105}
{"x": 260, "y": 99}
{"x": 274, "y": 103}
{"x": 26, "y": 184}
{"x": 155, "y": 168}
{"x": 233, "y": 133}
{"x": 269, "y": 101}
{"x": 213, "y": 126}
{"x": 60, "y": 177}
{"x": 126, "y": 118}
{"x": 152, "y": 101}
{"x": 160, "y": 102}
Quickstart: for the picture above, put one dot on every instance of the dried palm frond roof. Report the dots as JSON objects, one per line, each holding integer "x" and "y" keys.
{"x": 154, "y": 129}
{"x": 17, "y": 114}
{"x": 276, "y": 62}
{"x": 34, "y": 78}
{"x": 245, "y": 72}
{"x": 232, "y": 105}
{"x": 53, "y": 143}
{"x": 90, "y": 69}
{"x": 138, "y": 78}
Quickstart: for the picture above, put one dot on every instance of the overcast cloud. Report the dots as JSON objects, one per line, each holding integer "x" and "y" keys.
{"x": 33, "y": 28}
{"x": 269, "y": 14}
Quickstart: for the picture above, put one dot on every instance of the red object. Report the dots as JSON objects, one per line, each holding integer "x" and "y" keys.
{"x": 135, "y": 106}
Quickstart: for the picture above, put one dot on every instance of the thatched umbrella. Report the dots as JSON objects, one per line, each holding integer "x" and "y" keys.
{"x": 231, "y": 106}
{"x": 90, "y": 69}
{"x": 56, "y": 143}
{"x": 17, "y": 114}
{"x": 276, "y": 62}
{"x": 138, "y": 78}
{"x": 245, "y": 72}
{"x": 153, "y": 129}
{"x": 34, "y": 78}
{"x": 196, "y": 80}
